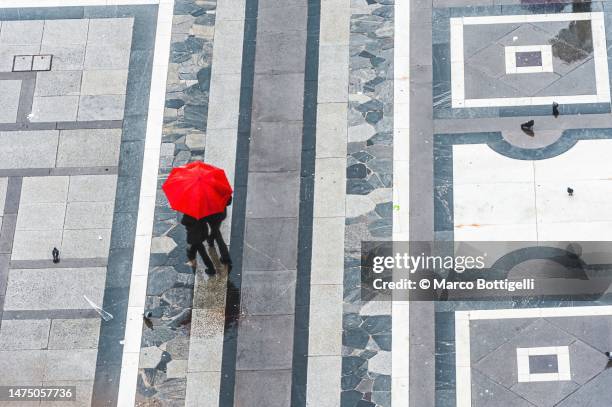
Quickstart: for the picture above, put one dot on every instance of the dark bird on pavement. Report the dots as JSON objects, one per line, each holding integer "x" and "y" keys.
{"x": 555, "y": 109}
{"x": 527, "y": 127}
{"x": 147, "y": 320}
{"x": 55, "y": 254}
{"x": 570, "y": 191}
{"x": 609, "y": 355}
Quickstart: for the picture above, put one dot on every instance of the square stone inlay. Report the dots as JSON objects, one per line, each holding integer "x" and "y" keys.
{"x": 530, "y": 58}
{"x": 543, "y": 364}
{"x": 527, "y": 60}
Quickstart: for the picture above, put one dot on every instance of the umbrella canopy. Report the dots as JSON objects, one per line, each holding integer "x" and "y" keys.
{"x": 197, "y": 189}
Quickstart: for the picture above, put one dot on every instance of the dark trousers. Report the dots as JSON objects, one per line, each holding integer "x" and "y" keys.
{"x": 192, "y": 249}
{"x": 216, "y": 236}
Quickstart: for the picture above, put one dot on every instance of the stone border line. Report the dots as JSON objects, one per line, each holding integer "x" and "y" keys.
{"x": 327, "y": 264}
{"x": 400, "y": 308}
{"x": 205, "y": 350}
{"x": 7, "y": 233}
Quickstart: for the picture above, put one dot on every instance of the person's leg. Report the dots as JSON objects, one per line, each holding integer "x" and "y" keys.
{"x": 218, "y": 237}
{"x": 210, "y": 267}
{"x": 191, "y": 256}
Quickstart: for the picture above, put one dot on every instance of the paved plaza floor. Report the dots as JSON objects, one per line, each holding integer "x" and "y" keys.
{"x": 337, "y": 122}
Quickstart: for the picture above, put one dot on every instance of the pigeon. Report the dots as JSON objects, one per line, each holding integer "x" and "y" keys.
{"x": 570, "y": 191}
{"x": 555, "y": 109}
{"x": 609, "y": 355}
{"x": 147, "y": 320}
{"x": 55, "y": 254}
{"x": 527, "y": 127}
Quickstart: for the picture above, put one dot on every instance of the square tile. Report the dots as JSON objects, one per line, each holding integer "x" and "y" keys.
{"x": 31, "y": 367}
{"x": 529, "y": 59}
{"x": 73, "y": 364}
{"x": 508, "y": 88}
{"x": 107, "y": 57}
{"x": 42, "y": 62}
{"x": 55, "y": 288}
{"x": 86, "y": 243}
{"x": 44, "y": 189}
{"x": 62, "y": 32}
{"x": 92, "y": 188}
{"x": 89, "y": 215}
{"x": 28, "y": 149}
{"x": 104, "y": 82}
{"x": 35, "y": 245}
{"x": 22, "y": 63}
{"x": 22, "y": 32}
{"x": 59, "y": 83}
{"x": 101, "y": 107}
{"x": 24, "y": 334}
{"x": 41, "y": 216}
{"x": 116, "y": 31}
{"x": 55, "y": 109}
{"x": 9, "y": 100}
{"x": 89, "y": 148}
{"x": 543, "y": 364}
{"x": 74, "y": 333}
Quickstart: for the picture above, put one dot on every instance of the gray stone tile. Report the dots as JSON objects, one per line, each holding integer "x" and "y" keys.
{"x": 500, "y": 365}
{"x": 107, "y": 57}
{"x": 265, "y": 342}
{"x": 104, "y": 82}
{"x": 101, "y": 107}
{"x": 280, "y": 52}
{"x": 74, "y": 364}
{"x": 35, "y": 245}
{"x": 44, "y": 189}
{"x": 86, "y": 243}
{"x": 268, "y": 292}
{"x": 62, "y": 32}
{"x": 55, "y": 108}
{"x": 24, "y": 334}
{"x": 92, "y": 188}
{"x": 89, "y": 215}
{"x": 544, "y": 394}
{"x": 595, "y": 393}
{"x": 23, "y": 63}
{"x": 17, "y": 32}
{"x": 28, "y": 149}
{"x": 89, "y": 148}
{"x": 596, "y": 331}
{"x": 282, "y": 19}
{"x": 273, "y": 195}
{"x": 57, "y": 288}
{"x": 3, "y": 185}
{"x": 9, "y": 100}
{"x": 41, "y": 216}
{"x": 270, "y": 244}
{"x": 585, "y": 362}
{"x": 487, "y": 335}
{"x": 65, "y": 57}
{"x": 74, "y": 334}
{"x": 277, "y": 385}
{"x": 58, "y": 83}
{"x": 4, "y": 270}
{"x": 31, "y": 367}
{"x": 278, "y": 97}
{"x": 275, "y": 146}
{"x": 486, "y": 392}
{"x": 543, "y": 364}
{"x": 116, "y": 31}
{"x": 199, "y": 392}
{"x": 42, "y": 62}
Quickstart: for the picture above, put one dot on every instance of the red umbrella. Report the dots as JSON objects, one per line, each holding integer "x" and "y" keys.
{"x": 197, "y": 189}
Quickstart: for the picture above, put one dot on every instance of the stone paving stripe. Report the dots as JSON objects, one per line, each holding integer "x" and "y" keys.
{"x": 25, "y": 172}
{"x": 241, "y": 174}
{"x": 67, "y": 263}
{"x": 84, "y": 171}
{"x": 51, "y": 314}
{"x": 13, "y": 193}
{"x": 94, "y": 124}
{"x": 299, "y": 368}
{"x": 26, "y": 99}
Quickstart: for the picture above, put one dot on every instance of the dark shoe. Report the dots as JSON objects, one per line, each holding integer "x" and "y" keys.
{"x": 210, "y": 272}
{"x": 527, "y": 127}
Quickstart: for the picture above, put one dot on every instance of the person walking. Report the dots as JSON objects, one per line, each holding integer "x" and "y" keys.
{"x": 197, "y": 233}
{"x": 214, "y": 222}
